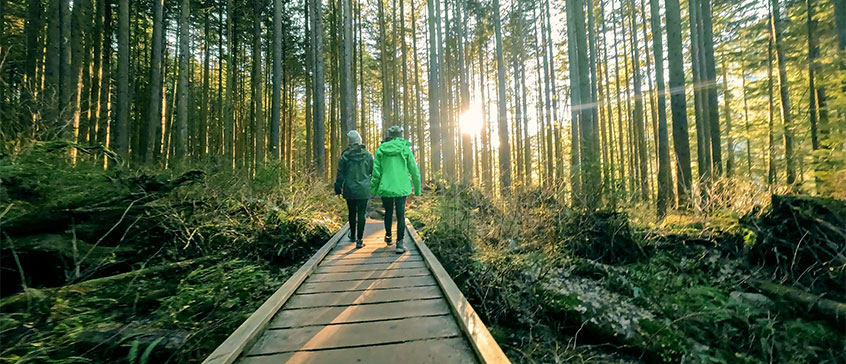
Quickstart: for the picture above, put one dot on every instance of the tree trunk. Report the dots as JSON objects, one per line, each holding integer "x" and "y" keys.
{"x": 181, "y": 135}
{"x": 746, "y": 124}
{"x": 678, "y": 104}
{"x": 434, "y": 89}
{"x": 229, "y": 106}
{"x": 771, "y": 167}
{"x": 319, "y": 96}
{"x": 783, "y": 85}
{"x": 276, "y": 99}
{"x": 347, "y": 84}
{"x": 502, "y": 119}
{"x": 121, "y": 129}
{"x": 639, "y": 129}
{"x": 105, "y": 131}
{"x": 665, "y": 189}
{"x": 259, "y": 119}
{"x": 154, "y": 106}
{"x": 729, "y": 138}
{"x": 466, "y": 142}
{"x": 34, "y": 52}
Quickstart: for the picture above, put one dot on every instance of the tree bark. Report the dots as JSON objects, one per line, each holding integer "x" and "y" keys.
{"x": 783, "y": 85}
{"x": 154, "y": 109}
{"x": 434, "y": 89}
{"x": 319, "y": 95}
{"x": 259, "y": 119}
{"x": 121, "y": 129}
{"x": 678, "y": 104}
{"x": 276, "y": 99}
{"x": 502, "y": 119}
{"x": 729, "y": 137}
{"x": 181, "y": 136}
{"x": 665, "y": 189}
{"x": 347, "y": 84}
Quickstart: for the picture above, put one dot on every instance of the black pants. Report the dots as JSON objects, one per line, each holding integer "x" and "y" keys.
{"x": 357, "y": 210}
{"x": 399, "y": 203}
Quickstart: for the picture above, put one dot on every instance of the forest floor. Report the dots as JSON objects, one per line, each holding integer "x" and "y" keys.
{"x": 144, "y": 266}
{"x": 755, "y": 281}
{"x": 147, "y": 266}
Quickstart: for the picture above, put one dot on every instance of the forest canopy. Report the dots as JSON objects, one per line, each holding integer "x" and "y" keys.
{"x": 612, "y": 100}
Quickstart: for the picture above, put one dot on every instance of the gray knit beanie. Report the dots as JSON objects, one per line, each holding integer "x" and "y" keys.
{"x": 355, "y": 137}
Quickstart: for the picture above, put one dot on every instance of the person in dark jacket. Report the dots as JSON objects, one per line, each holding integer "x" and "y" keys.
{"x": 354, "y": 172}
{"x": 395, "y": 172}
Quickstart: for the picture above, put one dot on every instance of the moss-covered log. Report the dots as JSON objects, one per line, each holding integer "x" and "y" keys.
{"x": 824, "y": 307}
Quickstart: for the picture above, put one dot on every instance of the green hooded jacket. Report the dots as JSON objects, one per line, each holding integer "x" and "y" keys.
{"x": 354, "y": 171}
{"x": 394, "y": 170}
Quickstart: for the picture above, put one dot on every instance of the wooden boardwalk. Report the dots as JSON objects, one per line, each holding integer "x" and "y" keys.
{"x": 367, "y": 305}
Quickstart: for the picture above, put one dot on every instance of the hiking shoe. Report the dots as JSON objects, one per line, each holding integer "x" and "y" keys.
{"x": 400, "y": 248}
{"x": 388, "y": 240}
{"x": 359, "y": 244}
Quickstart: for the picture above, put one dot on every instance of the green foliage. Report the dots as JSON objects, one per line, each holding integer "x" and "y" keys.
{"x": 208, "y": 246}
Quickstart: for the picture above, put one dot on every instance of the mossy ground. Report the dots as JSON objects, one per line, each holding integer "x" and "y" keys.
{"x": 187, "y": 258}
{"x": 556, "y": 285}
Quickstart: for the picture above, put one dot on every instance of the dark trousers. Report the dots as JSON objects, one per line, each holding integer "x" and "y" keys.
{"x": 357, "y": 210}
{"x": 399, "y": 203}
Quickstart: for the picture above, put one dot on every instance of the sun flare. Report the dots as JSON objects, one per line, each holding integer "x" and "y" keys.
{"x": 471, "y": 120}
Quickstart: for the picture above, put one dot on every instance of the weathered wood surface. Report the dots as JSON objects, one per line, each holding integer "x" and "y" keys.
{"x": 367, "y": 305}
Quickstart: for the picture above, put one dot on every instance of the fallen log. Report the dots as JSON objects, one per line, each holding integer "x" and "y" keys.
{"x": 21, "y": 301}
{"x": 827, "y": 308}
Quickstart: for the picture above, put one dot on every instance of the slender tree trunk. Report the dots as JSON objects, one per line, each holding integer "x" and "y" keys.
{"x": 105, "y": 131}
{"x": 665, "y": 189}
{"x": 421, "y": 150}
{"x": 181, "y": 135}
{"x": 229, "y": 126}
{"x": 783, "y": 85}
{"x": 729, "y": 137}
{"x": 746, "y": 124}
{"x": 347, "y": 84}
{"x": 639, "y": 129}
{"x": 154, "y": 111}
{"x": 502, "y": 119}
{"x": 678, "y": 104}
{"x": 771, "y": 167}
{"x": 259, "y": 120}
{"x": 319, "y": 96}
{"x": 434, "y": 88}
{"x": 276, "y": 99}
{"x": 34, "y": 52}
{"x": 466, "y": 142}
{"x": 121, "y": 130}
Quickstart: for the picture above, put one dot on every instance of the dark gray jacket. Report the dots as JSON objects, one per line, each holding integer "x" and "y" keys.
{"x": 354, "y": 172}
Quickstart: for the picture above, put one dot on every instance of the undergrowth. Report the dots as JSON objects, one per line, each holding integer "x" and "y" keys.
{"x": 151, "y": 266}
{"x": 558, "y": 285}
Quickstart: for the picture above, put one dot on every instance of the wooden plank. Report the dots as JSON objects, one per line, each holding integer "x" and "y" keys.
{"x": 480, "y": 338}
{"x": 317, "y": 287}
{"x": 362, "y": 297}
{"x": 356, "y": 334}
{"x": 246, "y": 334}
{"x": 328, "y": 277}
{"x": 367, "y": 251}
{"x": 372, "y": 260}
{"x": 360, "y": 313}
{"x": 368, "y": 267}
{"x": 434, "y": 351}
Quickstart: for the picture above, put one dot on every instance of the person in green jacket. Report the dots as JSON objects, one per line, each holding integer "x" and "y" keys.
{"x": 394, "y": 171}
{"x": 354, "y": 173}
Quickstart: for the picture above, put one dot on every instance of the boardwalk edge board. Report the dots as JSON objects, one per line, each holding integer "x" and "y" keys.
{"x": 249, "y": 331}
{"x": 486, "y": 348}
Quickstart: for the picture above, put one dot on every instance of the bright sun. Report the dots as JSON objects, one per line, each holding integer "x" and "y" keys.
{"x": 471, "y": 120}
